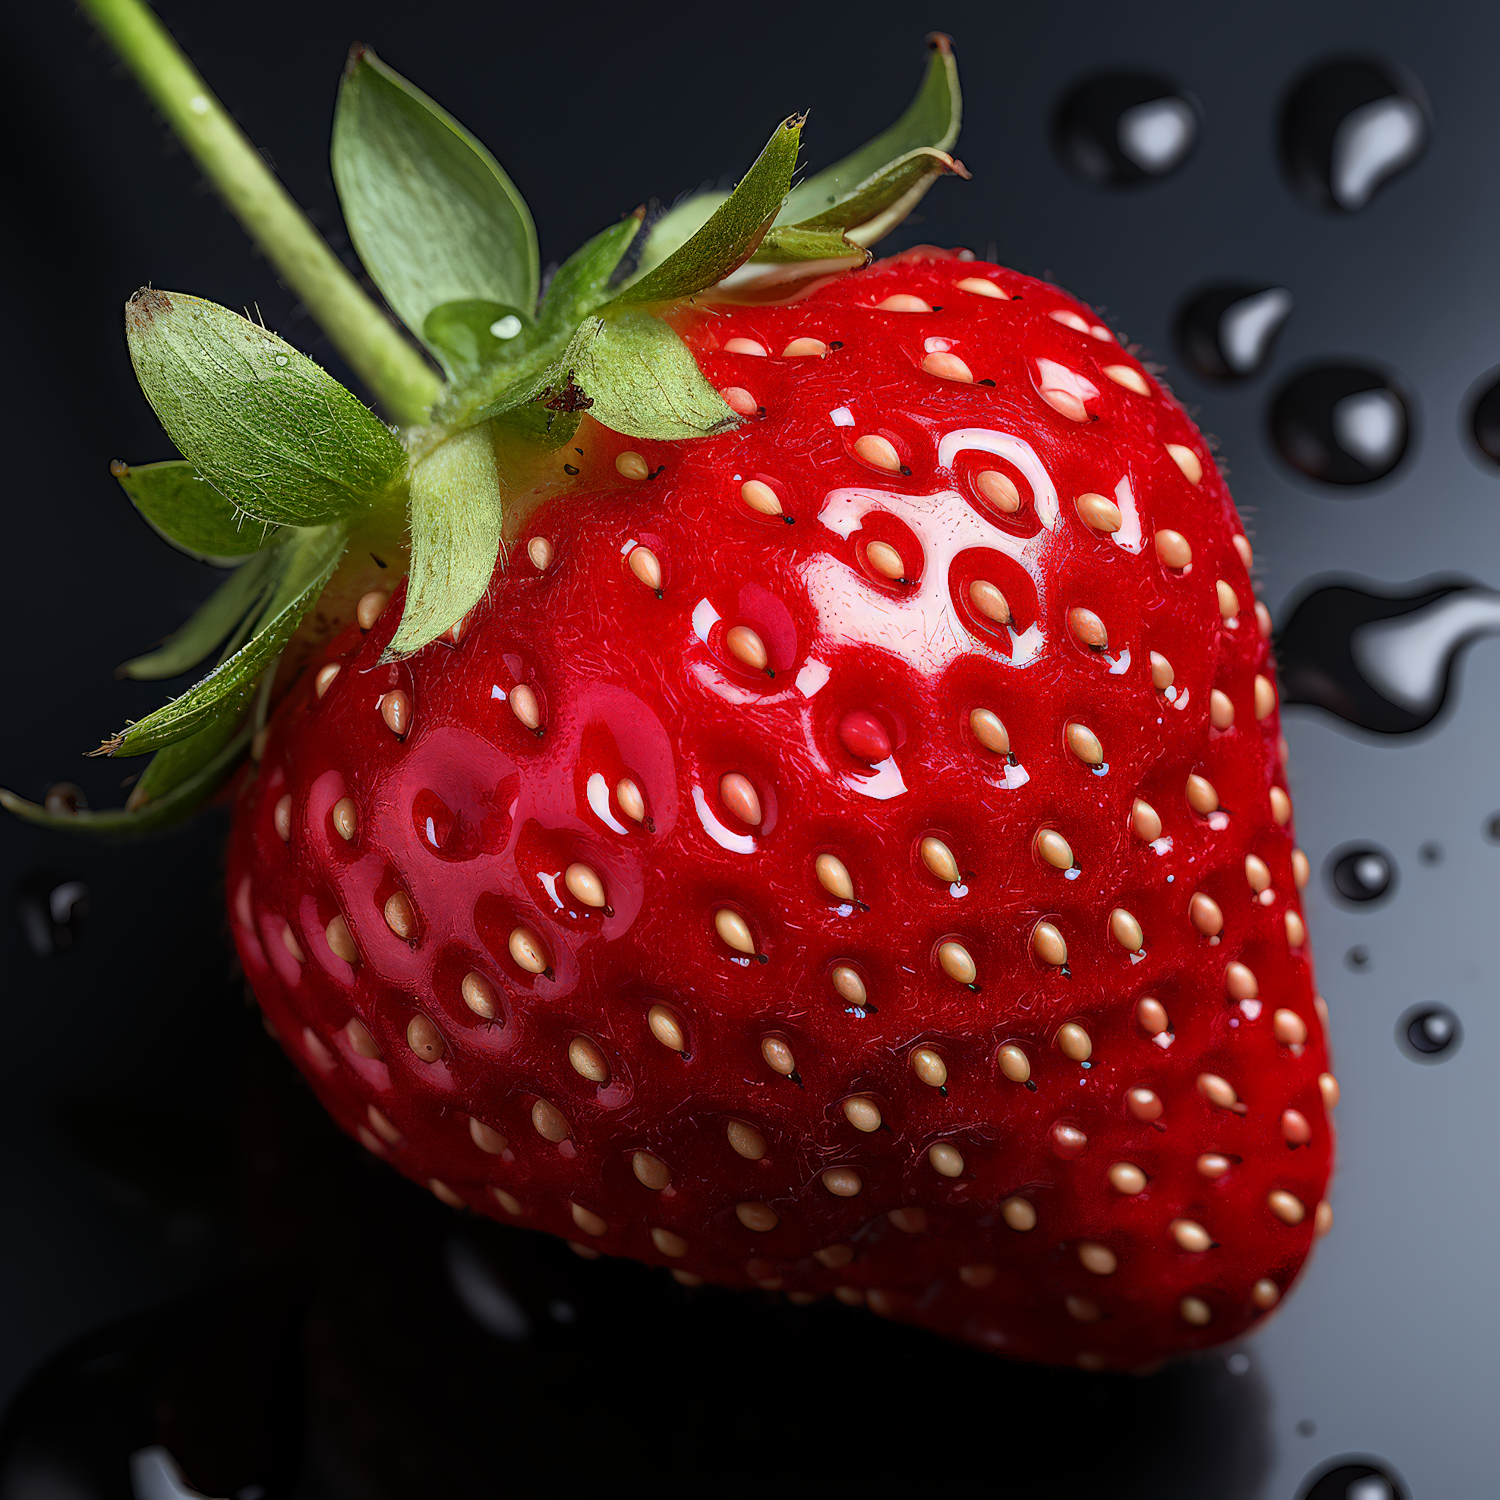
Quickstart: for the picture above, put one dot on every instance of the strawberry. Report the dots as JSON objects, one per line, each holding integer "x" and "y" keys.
{"x": 828, "y": 833}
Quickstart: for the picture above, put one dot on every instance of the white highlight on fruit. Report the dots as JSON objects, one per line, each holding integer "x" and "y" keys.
{"x": 922, "y": 625}
{"x": 1018, "y": 451}
{"x": 597, "y": 791}
{"x": 814, "y": 675}
{"x": 725, "y": 838}
{"x": 705, "y": 617}
{"x": 1130, "y": 536}
{"x": 841, "y": 416}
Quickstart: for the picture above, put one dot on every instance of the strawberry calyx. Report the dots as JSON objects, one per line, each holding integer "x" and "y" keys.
{"x": 292, "y": 482}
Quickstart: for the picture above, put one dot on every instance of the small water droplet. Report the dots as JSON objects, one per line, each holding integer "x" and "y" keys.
{"x": 1362, "y": 874}
{"x": 507, "y": 327}
{"x": 1343, "y": 424}
{"x": 1429, "y": 1033}
{"x": 53, "y": 909}
{"x": 1123, "y": 128}
{"x": 1226, "y": 331}
{"x": 434, "y": 820}
{"x": 281, "y": 359}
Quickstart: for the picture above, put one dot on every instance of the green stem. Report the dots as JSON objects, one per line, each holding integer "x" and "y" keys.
{"x": 394, "y": 371}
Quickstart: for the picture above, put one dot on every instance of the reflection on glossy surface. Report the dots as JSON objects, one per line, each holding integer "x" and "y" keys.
{"x": 1348, "y": 127}
{"x": 1125, "y": 128}
{"x": 379, "y": 1348}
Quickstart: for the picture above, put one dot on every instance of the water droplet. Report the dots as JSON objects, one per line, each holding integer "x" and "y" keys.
{"x": 1349, "y": 127}
{"x": 1226, "y": 331}
{"x": 1343, "y": 424}
{"x": 1356, "y": 1479}
{"x": 1125, "y": 128}
{"x": 507, "y": 327}
{"x": 1484, "y": 419}
{"x": 1362, "y": 873}
{"x": 1429, "y": 1033}
{"x": 52, "y": 909}
{"x": 1383, "y": 662}
{"x": 281, "y": 359}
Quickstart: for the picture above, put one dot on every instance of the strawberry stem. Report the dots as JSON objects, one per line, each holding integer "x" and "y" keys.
{"x": 393, "y": 370}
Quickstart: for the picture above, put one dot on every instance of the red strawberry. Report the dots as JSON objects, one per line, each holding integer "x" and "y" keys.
{"x": 848, "y": 855}
{"x": 843, "y": 846}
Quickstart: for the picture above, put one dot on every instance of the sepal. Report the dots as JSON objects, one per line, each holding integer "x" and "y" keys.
{"x": 231, "y": 605}
{"x": 183, "y": 508}
{"x": 271, "y": 431}
{"x": 456, "y": 515}
{"x": 308, "y": 560}
{"x": 432, "y": 214}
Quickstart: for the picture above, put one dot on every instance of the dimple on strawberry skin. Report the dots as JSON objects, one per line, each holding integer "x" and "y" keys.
{"x": 771, "y": 768}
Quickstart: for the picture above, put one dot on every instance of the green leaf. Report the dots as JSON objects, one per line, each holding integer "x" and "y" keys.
{"x": 170, "y": 806}
{"x": 472, "y": 335}
{"x": 274, "y": 433}
{"x": 534, "y": 423}
{"x": 456, "y": 513}
{"x": 930, "y": 121}
{"x": 310, "y": 559}
{"x": 178, "y": 504}
{"x": 642, "y": 380}
{"x": 210, "y": 623}
{"x": 431, "y": 213}
{"x": 582, "y": 282}
{"x": 731, "y": 233}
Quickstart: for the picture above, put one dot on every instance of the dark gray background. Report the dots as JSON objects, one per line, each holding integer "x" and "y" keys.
{"x": 1388, "y": 1346}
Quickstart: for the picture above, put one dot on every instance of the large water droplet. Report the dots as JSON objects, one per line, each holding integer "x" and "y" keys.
{"x": 1348, "y": 127}
{"x": 1362, "y": 873}
{"x": 1342, "y": 424}
{"x": 1125, "y": 128}
{"x": 1429, "y": 1033}
{"x": 1384, "y": 663}
{"x": 1226, "y": 331}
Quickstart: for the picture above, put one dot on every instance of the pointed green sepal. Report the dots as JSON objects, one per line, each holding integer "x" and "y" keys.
{"x": 310, "y": 558}
{"x": 456, "y": 514}
{"x": 638, "y": 377}
{"x": 273, "y": 432}
{"x": 183, "y": 798}
{"x": 214, "y": 621}
{"x": 730, "y": 235}
{"x": 929, "y": 122}
{"x": 431, "y": 213}
{"x": 168, "y": 769}
{"x": 183, "y": 508}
